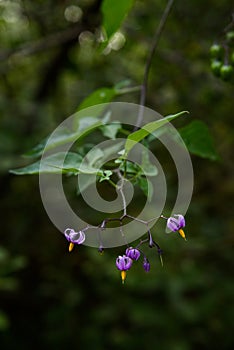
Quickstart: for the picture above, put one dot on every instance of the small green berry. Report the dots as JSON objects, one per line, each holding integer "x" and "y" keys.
{"x": 226, "y": 71}
{"x": 216, "y": 51}
{"x": 215, "y": 67}
{"x": 230, "y": 37}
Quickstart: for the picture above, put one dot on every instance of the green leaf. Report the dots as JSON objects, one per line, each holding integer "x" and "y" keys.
{"x": 106, "y": 94}
{"x": 84, "y": 149}
{"x": 111, "y": 130}
{"x": 126, "y": 83}
{"x": 86, "y": 125}
{"x": 148, "y": 169}
{"x": 37, "y": 150}
{"x": 146, "y": 186}
{"x": 147, "y": 129}
{"x": 87, "y": 180}
{"x": 198, "y": 140}
{"x": 156, "y": 134}
{"x": 114, "y": 13}
{"x": 94, "y": 155}
{"x": 106, "y": 175}
{"x": 113, "y": 149}
{"x": 83, "y": 122}
{"x": 97, "y": 156}
{"x": 88, "y": 169}
{"x": 129, "y": 167}
{"x": 102, "y": 95}
{"x": 52, "y": 165}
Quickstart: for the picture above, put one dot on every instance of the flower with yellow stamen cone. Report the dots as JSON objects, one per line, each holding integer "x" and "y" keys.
{"x": 74, "y": 237}
{"x": 123, "y": 263}
{"x": 176, "y": 223}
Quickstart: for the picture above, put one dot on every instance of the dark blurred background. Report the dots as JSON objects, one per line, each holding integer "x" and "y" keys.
{"x": 50, "y": 299}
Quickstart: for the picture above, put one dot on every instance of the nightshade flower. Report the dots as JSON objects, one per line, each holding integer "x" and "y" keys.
{"x": 146, "y": 264}
{"x": 176, "y": 223}
{"x": 123, "y": 263}
{"x": 133, "y": 253}
{"x": 74, "y": 237}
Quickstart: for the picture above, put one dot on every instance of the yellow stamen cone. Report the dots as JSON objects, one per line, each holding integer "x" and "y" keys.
{"x": 181, "y": 232}
{"x": 123, "y": 276}
{"x": 71, "y": 246}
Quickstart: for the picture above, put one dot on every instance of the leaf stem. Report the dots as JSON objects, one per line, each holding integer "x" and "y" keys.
{"x": 112, "y": 183}
{"x": 128, "y": 90}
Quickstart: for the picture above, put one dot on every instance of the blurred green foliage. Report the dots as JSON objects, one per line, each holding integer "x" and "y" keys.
{"x": 53, "y": 300}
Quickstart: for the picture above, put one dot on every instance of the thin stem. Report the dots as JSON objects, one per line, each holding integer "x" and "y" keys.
{"x": 124, "y": 201}
{"x": 128, "y": 90}
{"x": 100, "y": 248}
{"x": 122, "y": 234}
{"x": 155, "y": 42}
{"x": 123, "y": 131}
{"x": 142, "y": 221}
{"x": 136, "y": 219}
{"x": 89, "y": 227}
{"x": 112, "y": 183}
{"x": 125, "y": 215}
{"x": 150, "y": 238}
{"x": 120, "y": 188}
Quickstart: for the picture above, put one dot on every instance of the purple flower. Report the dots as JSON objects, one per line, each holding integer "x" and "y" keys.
{"x": 133, "y": 253}
{"x": 74, "y": 237}
{"x": 123, "y": 263}
{"x": 146, "y": 264}
{"x": 176, "y": 223}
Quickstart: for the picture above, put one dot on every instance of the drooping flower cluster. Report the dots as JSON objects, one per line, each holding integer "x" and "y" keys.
{"x": 124, "y": 263}
{"x": 175, "y": 223}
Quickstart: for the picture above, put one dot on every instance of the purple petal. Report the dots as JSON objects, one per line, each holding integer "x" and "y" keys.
{"x": 68, "y": 233}
{"x": 172, "y": 224}
{"x": 127, "y": 262}
{"x": 119, "y": 263}
{"x": 176, "y": 223}
{"x": 146, "y": 265}
{"x": 123, "y": 263}
{"x": 133, "y": 253}
{"x": 73, "y": 236}
{"x": 181, "y": 220}
{"x": 79, "y": 238}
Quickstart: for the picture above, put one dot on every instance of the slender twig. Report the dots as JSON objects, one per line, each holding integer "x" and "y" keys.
{"x": 120, "y": 188}
{"x": 124, "y": 201}
{"x": 122, "y": 233}
{"x": 155, "y": 42}
{"x": 128, "y": 90}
